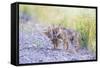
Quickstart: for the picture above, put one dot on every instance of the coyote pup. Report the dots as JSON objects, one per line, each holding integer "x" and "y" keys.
{"x": 68, "y": 36}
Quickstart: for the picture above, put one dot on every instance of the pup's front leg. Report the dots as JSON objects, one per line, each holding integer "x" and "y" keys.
{"x": 65, "y": 45}
{"x": 55, "y": 46}
{"x": 55, "y": 43}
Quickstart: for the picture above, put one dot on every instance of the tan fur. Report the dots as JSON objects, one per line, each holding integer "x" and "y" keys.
{"x": 66, "y": 35}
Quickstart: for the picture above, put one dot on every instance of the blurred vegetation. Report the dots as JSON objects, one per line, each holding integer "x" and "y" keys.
{"x": 81, "y": 19}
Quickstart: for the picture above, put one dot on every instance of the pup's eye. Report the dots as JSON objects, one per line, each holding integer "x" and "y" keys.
{"x": 59, "y": 36}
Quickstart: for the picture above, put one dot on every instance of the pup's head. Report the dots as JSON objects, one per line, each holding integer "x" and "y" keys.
{"x": 52, "y": 32}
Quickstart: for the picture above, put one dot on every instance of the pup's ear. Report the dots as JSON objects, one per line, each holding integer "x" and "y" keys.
{"x": 50, "y": 28}
{"x": 60, "y": 30}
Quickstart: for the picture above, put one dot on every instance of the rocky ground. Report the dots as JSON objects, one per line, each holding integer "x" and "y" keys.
{"x": 37, "y": 48}
{"x": 34, "y": 47}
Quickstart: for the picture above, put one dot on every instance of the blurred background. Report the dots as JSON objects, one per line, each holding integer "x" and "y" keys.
{"x": 82, "y": 20}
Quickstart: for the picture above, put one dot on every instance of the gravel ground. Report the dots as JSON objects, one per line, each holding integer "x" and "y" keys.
{"x": 37, "y": 48}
